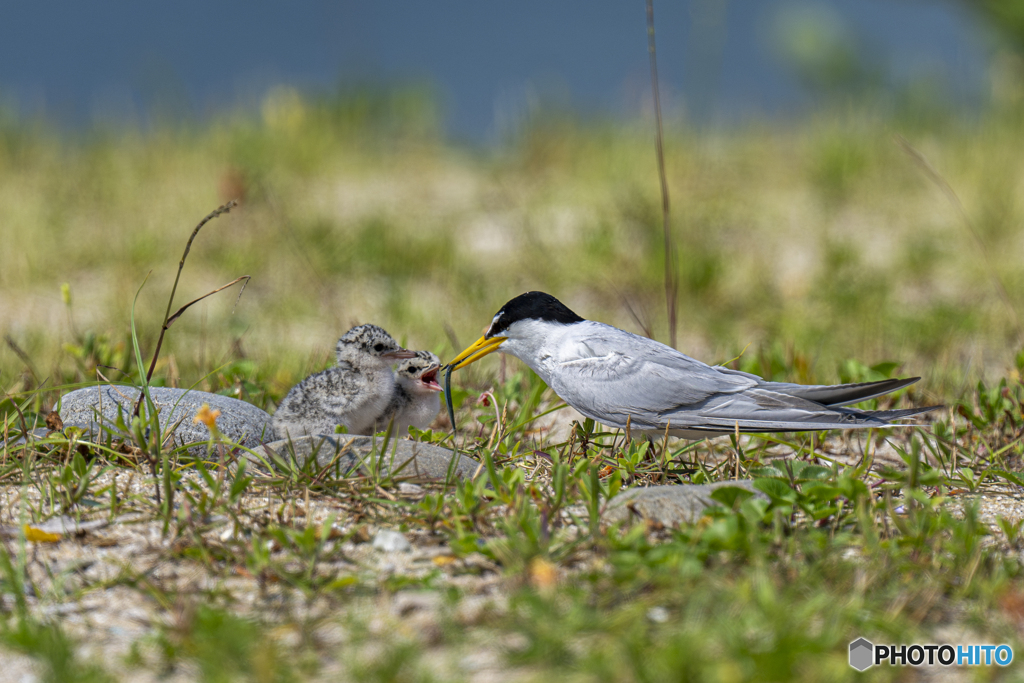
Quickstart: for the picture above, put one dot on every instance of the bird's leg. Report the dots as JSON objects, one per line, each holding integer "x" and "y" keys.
{"x": 737, "y": 451}
{"x": 664, "y": 452}
{"x": 656, "y": 456}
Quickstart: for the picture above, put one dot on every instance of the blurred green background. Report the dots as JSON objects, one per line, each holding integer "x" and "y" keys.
{"x": 815, "y": 244}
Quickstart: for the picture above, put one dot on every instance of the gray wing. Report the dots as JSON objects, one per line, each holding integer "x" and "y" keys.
{"x": 764, "y": 410}
{"x": 831, "y": 394}
{"x": 614, "y": 375}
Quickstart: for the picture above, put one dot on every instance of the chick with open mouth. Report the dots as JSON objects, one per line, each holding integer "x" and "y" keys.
{"x": 415, "y": 401}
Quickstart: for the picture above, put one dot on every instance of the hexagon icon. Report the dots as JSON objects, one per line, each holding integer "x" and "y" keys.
{"x": 861, "y": 654}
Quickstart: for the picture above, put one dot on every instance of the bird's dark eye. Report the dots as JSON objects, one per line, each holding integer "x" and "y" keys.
{"x": 378, "y": 347}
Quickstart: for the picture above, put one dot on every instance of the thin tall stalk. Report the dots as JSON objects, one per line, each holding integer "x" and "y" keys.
{"x": 168, "y": 318}
{"x": 170, "y": 301}
{"x": 671, "y": 282}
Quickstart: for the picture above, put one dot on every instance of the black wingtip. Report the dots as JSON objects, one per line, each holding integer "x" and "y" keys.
{"x": 901, "y": 414}
{"x": 847, "y": 394}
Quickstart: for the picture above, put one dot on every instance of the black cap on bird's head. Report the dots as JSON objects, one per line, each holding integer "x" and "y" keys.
{"x": 531, "y": 306}
{"x": 536, "y": 306}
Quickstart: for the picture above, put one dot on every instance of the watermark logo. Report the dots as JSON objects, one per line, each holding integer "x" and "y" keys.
{"x": 865, "y": 654}
{"x": 861, "y": 654}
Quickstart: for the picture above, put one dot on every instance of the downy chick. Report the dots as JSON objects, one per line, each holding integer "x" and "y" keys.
{"x": 415, "y": 399}
{"x": 355, "y": 393}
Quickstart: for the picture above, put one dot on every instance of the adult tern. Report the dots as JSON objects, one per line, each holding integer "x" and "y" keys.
{"x": 619, "y": 378}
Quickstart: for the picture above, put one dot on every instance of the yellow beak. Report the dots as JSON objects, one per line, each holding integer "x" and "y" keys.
{"x": 478, "y": 350}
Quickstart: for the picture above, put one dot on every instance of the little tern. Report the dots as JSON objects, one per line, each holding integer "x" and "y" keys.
{"x": 355, "y": 393}
{"x": 616, "y": 377}
{"x": 415, "y": 400}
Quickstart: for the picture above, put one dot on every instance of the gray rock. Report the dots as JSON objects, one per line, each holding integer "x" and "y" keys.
{"x": 407, "y": 602}
{"x": 658, "y": 614}
{"x": 350, "y": 453}
{"x": 388, "y": 541}
{"x": 669, "y": 505}
{"x": 239, "y": 421}
{"x": 411, "y": 489}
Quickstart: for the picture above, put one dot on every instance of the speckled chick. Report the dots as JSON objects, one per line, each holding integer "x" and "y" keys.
{"x": 415, "y": 400}
{"x": 355, "y": 393}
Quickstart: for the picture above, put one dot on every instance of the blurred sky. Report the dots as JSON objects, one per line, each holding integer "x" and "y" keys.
{"x": 720, "y": 60}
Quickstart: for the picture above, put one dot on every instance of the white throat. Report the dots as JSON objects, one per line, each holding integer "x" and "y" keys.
{"x": 537, "y": 343}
